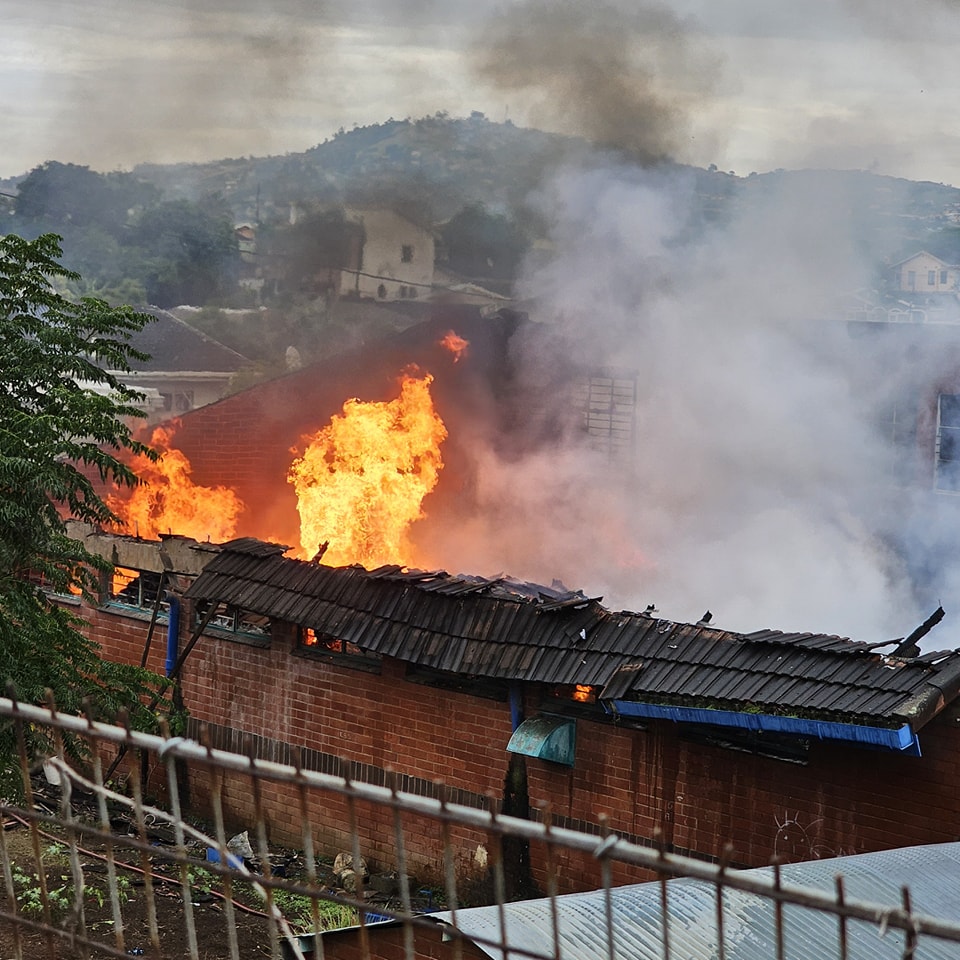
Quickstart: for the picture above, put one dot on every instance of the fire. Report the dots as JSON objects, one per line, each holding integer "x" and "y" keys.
{"x": 167, "y": 500}
{"x": 361, "y": 480}
{"x": 455, "y": 344}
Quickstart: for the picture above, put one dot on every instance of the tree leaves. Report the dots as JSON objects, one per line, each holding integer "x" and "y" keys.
{"x": 66, "y": 419}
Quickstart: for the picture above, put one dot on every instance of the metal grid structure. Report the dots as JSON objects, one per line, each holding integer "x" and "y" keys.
{"x": 607, "y": 401}
{"x": 103, "y": 830}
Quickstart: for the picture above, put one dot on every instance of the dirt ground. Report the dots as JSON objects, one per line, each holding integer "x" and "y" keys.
{"x": 210, "y": 917}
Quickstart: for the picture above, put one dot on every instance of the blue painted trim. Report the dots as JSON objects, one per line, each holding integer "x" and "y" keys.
{"x": 516, "y": 705}
{"x": 902, "y": 739}
{"x": 173, "y": 634}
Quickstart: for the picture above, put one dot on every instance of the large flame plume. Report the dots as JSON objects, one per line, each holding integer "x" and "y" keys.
{"x": 167, "y": 500}
{"x": 362, "y": 479}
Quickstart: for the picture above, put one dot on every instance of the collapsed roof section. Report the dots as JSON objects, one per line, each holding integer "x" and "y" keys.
{"x": 794, "y": 683}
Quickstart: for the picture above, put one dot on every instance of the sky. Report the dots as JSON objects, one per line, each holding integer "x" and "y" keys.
{"x": 750, "y": 85}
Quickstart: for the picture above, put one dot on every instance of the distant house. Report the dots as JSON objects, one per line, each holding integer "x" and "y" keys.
{"x": 185, "y": 369}
{"x": 393, "y": 259}
{"x": 246, "y": 241}
{"x": 925, "y": 273}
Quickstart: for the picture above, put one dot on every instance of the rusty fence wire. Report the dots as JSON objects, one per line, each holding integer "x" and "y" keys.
{"x": 92, "y": 867}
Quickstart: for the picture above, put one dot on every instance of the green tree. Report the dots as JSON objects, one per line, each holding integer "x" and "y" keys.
{"x": 65, "y": 195}
{"x": 191, "y": 249}
{"x": 483, "y": 245}
{"x": 64, "y": 424}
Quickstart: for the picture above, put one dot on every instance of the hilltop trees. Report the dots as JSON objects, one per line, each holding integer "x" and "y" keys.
{"x": 125, "y": 239}
{"x": 62, "y": 417}
{"x": 482, "y": 245}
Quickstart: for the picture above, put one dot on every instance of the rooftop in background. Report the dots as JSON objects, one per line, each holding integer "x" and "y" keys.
{"x": 174, "y": 345}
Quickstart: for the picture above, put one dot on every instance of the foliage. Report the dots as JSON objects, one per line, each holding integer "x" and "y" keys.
{"x": 30, "y": 895}
{"x": 67, "y": 195}
{"x": 189, "y": 251}
{"x": 484, "y": 245}
{"x": 298, "y": 912}
{"x": 126, "y": 242}
{"x": 64, "y": 422}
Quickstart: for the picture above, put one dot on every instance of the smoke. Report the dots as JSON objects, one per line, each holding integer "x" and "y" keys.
{"x": 125, "y": 82}
{"x": 761, "y": 485}
{"x": 622, "y": 75}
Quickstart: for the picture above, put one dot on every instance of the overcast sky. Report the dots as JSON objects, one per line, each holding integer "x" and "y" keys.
{"x": 746, "y": 84}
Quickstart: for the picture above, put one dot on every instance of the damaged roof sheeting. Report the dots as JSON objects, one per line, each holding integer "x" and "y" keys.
{"x": 750, "y": 930}
{"x": 503, "y": 629}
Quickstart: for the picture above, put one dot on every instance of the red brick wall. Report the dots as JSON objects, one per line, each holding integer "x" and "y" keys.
{"x": 845, "y": 800}
{"x": 387, "y": 943}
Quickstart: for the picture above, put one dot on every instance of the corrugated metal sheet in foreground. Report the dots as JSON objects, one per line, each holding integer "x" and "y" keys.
{"x": 931, "y": 872}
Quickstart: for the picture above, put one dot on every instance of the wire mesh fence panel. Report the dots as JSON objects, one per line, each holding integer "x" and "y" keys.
{"x": 117, "y": 843}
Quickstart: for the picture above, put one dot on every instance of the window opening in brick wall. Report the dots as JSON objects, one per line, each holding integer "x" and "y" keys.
{"x": 229, "y": 618}
{"x": 897, "y": 423}
{"x": 39, "y": 580}
{"x": 947, "y": 453}
{"x": 180, "y": 401}
{"x": 325, "y": 646}
{"x": 135, "y": 590}
{"x": 406, "y": 253}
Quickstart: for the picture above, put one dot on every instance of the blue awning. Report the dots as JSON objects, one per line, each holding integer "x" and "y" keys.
{"x": 901, "y": 739}
{"x": 546, "y": 738}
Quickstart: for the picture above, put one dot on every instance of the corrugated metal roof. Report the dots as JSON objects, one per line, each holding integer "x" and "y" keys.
{"x": 931, "y": 872}
{"x": 512, "y": 630}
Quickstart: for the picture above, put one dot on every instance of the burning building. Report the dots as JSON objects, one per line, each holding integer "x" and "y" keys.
{"x": 784, "y": 743}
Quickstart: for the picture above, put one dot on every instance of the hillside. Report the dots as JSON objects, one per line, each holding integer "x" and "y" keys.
{"x": 437, "y": 162}
{"x": 436, "y": 165}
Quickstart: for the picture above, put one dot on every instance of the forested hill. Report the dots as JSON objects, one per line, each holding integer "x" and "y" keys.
{"x": 436, "y": 162}
{"x": 436, "y": 165}
{"x": 164, "y": 233}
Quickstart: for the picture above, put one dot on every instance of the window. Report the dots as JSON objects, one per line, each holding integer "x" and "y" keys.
{"x": 382, "y": 292}
{"x": 931, "y": 278}
{"x": 231, "y": 619}
{"x": 406, "y": 253}
{"x": 943, "y": 277}
{"x": 898, "y": 426}
{"x": 39, "y": 580}
{"x": 911, "y": 279}
{"x": 179, "y": 402}
{"x": 947, "y": 462}
{"x": 335, "y": 649}
{"x": 136, "y": 590}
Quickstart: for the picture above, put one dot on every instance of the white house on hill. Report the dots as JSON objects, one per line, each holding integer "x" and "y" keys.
{"x": 395, "y": 259}
{"x": 925, "y": 273}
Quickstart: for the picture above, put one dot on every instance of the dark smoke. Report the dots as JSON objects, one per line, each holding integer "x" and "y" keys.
{"x": 623, "y": 76}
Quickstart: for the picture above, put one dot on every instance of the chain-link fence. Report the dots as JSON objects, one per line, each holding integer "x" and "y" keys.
{"x": 103, "y": 856}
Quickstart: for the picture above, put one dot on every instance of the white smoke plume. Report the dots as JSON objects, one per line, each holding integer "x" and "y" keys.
{"x": 761, "y": 487}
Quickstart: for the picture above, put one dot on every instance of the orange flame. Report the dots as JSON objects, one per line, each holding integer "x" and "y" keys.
{"x": 167, "y": 500}
{"x": 455, "y": 344}
{"x": 361, "y": 480}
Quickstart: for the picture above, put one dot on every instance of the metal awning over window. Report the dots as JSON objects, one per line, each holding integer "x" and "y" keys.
{"x": 546, "y": 738}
